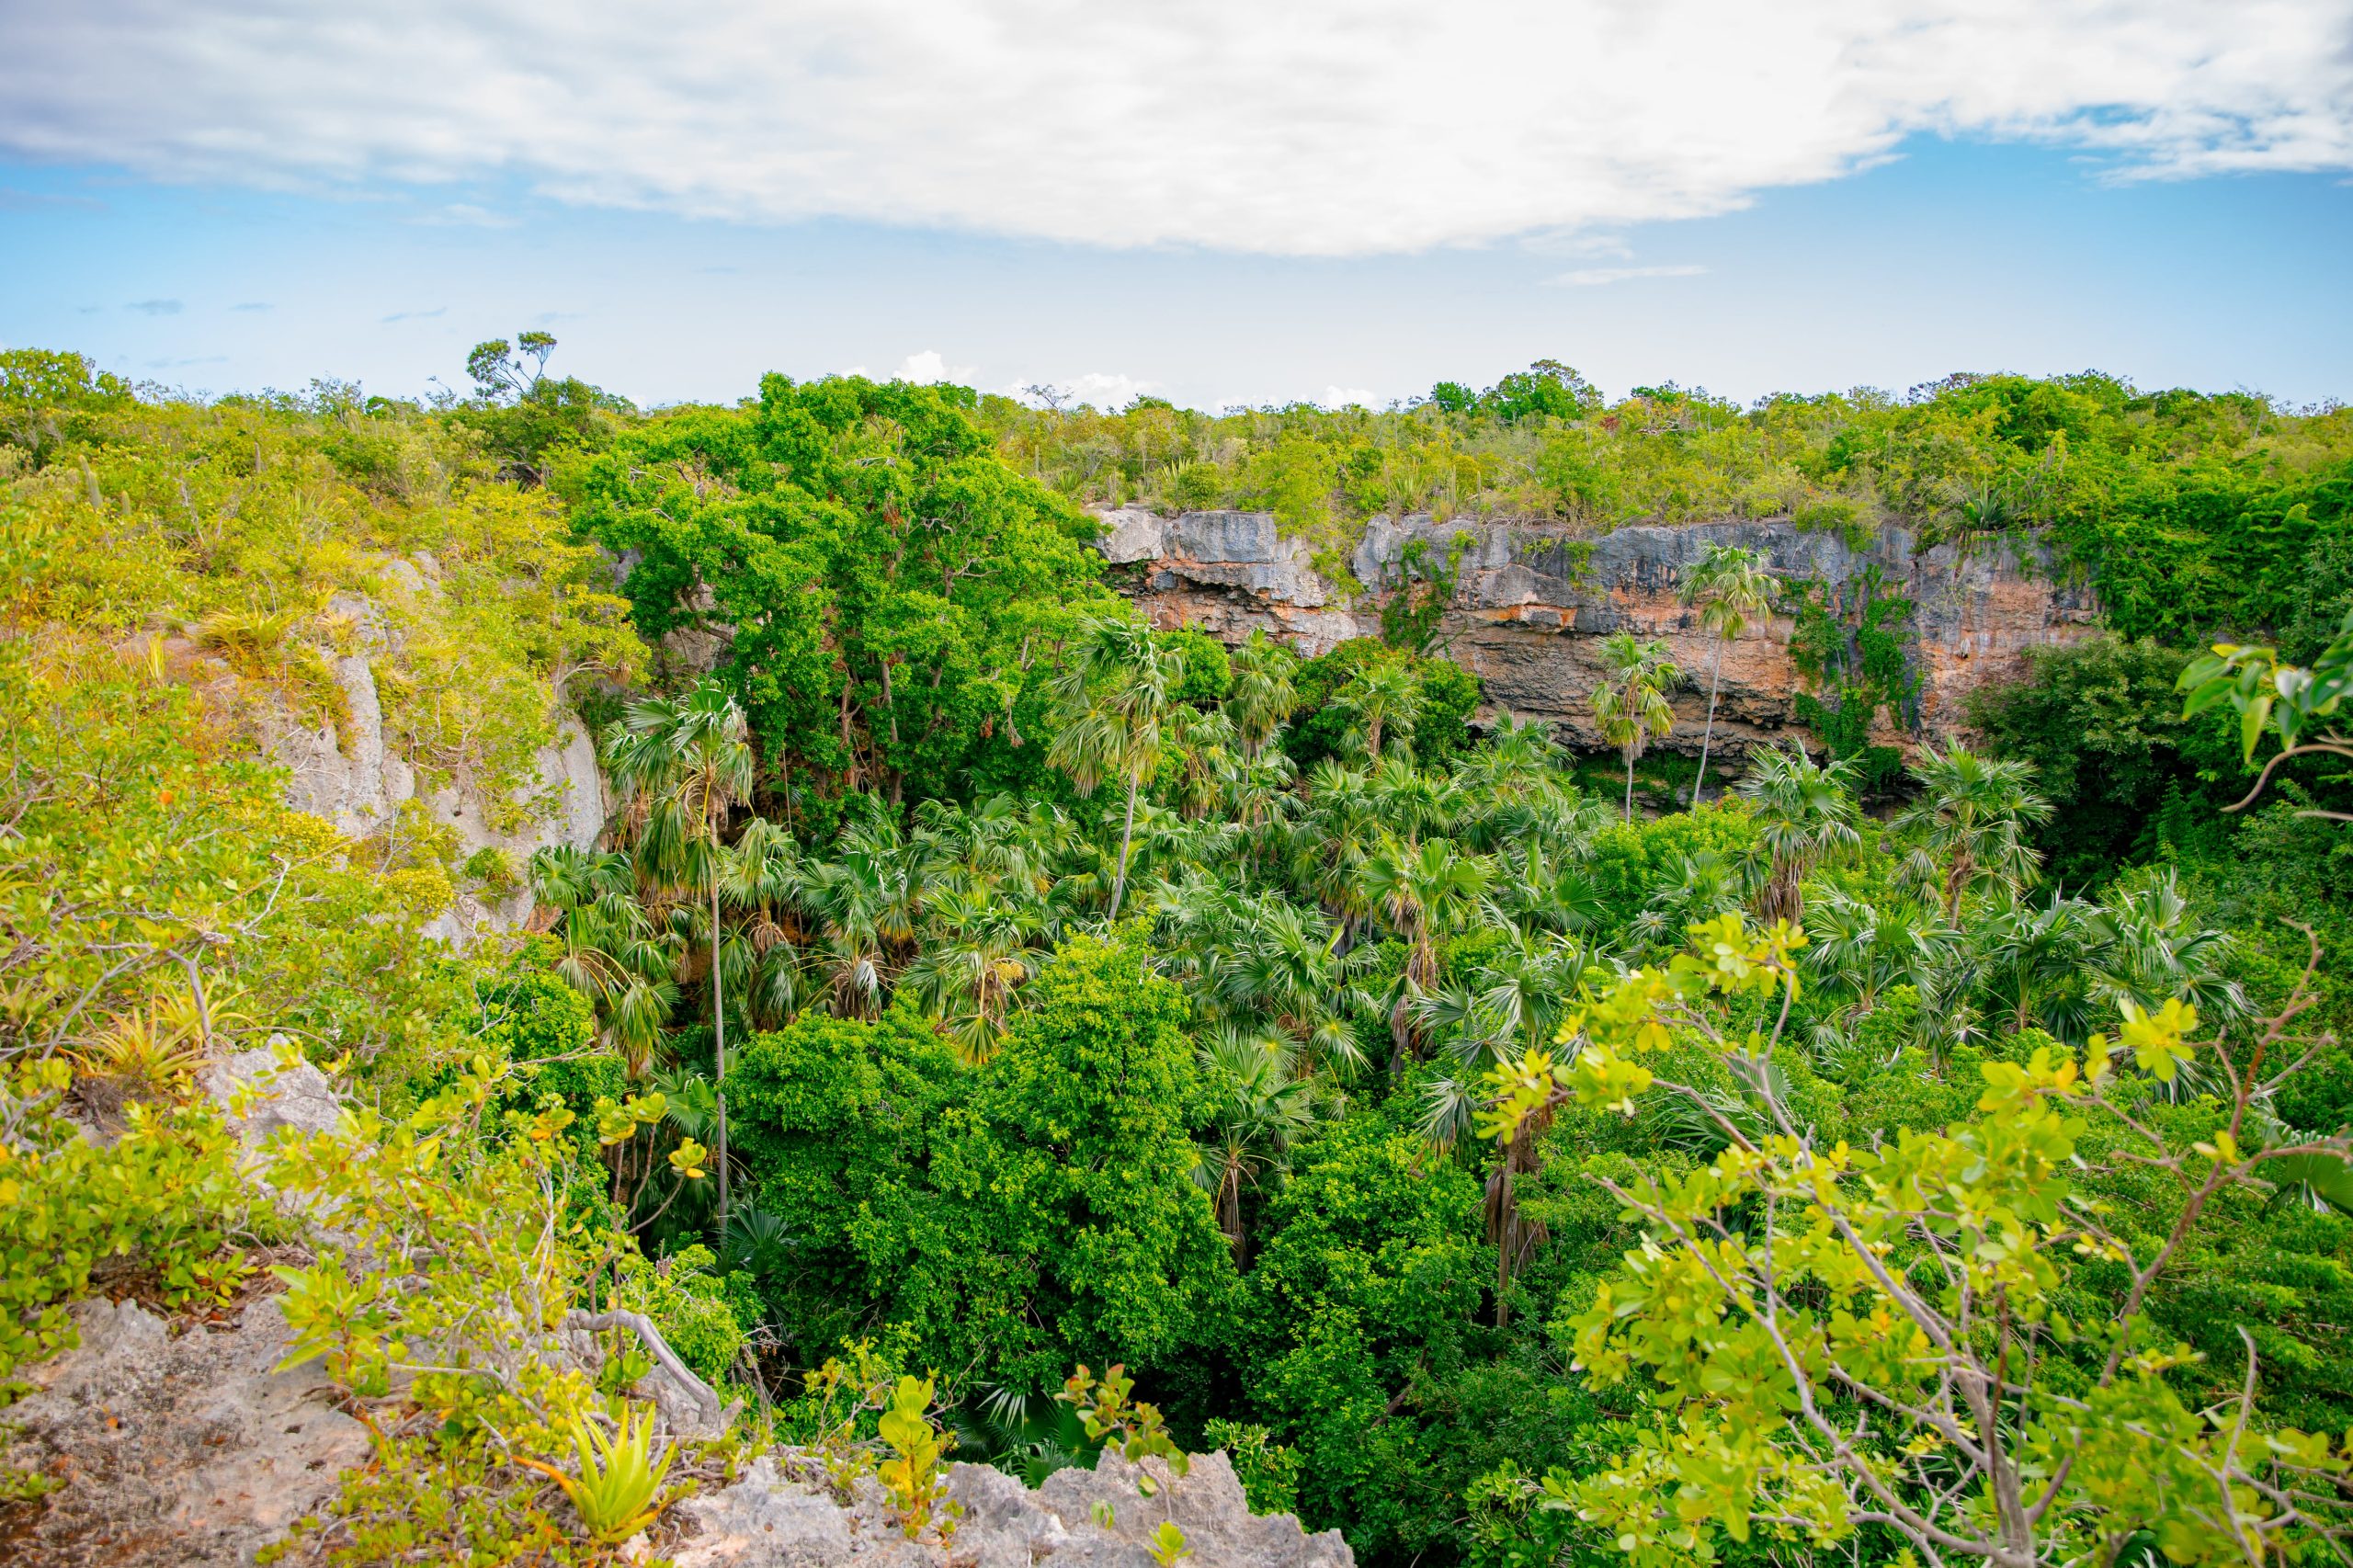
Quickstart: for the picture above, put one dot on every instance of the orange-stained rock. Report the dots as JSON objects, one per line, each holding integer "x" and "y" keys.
{"x": 1534, "y": 599}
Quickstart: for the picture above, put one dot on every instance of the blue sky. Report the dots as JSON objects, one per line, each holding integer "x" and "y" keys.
{"x": 1850, "y": 251}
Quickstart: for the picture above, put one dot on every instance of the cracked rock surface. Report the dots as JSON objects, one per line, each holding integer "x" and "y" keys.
{"x": 1099, "y": 1518}
{"x": 184, "y": 1450}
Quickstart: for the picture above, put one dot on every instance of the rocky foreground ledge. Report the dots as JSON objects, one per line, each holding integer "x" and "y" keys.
{"x": 1098, "y": 1517}
{"x": 197, "y": 1448}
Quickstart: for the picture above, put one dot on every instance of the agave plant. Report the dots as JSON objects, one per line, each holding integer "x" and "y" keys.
{"x": 617, "y": 1490}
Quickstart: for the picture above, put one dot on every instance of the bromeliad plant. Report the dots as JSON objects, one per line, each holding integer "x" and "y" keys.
{"x": 1894, "y": 1337}
{"x": 617, "y": 1491}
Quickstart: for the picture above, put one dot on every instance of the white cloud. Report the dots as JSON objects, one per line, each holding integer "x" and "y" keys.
{"x": 1324, "y": 127}
{"x": 1594, "y": 276}
{"x": 1344, "y": 397}
{"x": 1109, "y": 392}
{"x": 929, "y": 366}
{"x": 467, "y": 215}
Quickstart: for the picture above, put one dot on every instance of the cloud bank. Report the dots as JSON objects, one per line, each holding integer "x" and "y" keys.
{"x": 1316, "y": 128}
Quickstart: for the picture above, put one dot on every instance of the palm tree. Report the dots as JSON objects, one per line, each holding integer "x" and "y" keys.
{"x": 1698, "y": 886}
{"x": 1332, "y": 840}
{"x": 1803, "y": 813}
{"x": 1116, "y": 693}
{"x": 868, "y": 901}
{"x": 1261, "y": 1107}
{"x": 1730, "y": 584}
{"x": 1629, "y": 703}
{"x": 1203, "y": 743}
{"x": 1426, "y": 892}
{"x": 679, "y": 765}
{"x": 1259, "y": 793}
{"x": 2030, "y": 959}
{"x": 1262, "y": 696}
{"x": 1972, "y": 814}
{"x": 2146, "y": 951}
{"x": 1384, "y": 698}
{"x": 1860, "y": 949}
{"x": 1511, "y": 1004}
{"x": 614, "y": 954}
{"x": 981, "y": 950}
{"x": 1542, "y": 890}
{"x": 1278, "y": 963}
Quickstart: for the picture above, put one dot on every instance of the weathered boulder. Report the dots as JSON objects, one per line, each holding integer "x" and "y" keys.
{"x": 1533, "y": 599}
{"x": 264, "y": 1094}
{"x": 187, "y": 1450}
{"x": 1130, "y": 534}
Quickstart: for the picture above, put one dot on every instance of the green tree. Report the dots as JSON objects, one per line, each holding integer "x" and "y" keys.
{"x": 528, "y": 417}
{"x": 1730, "y": 586}
{"x": 1426, "y": 893}
{"x": 1384, "y": 698}
{"x": 614, "y": 954}
{"x": 1259, "y": 1107}
{"x": 679, "y": 766}
{"x": 2101, "y": 724}
{"x": 1630, "y": 702}
{"x": 1118, "y": 691}
{"x": 1788, "y": 1287}
{"x": 877, "y": 589}
{"x": 1366, "y": 1282}
{"x": 1803, "y": 813}
{"x": 1079, "y": 1162}
{"x": 1972, "y": 814}
{"x": 1262, "y": 694}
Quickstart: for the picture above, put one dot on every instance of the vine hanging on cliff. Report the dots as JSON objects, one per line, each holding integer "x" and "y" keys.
{"x": 1852, "y": 645}
{"x": 1410, "y": 618}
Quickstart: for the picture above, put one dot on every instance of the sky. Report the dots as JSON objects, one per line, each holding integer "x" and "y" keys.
{"x": 1217, "y": 203}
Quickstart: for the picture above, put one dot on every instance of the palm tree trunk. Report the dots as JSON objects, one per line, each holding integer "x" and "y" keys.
{"x": 1715, "y": 679}
{"x": 1630, "y": 786}
{"x": 1127, "y": 835}
{"x": 719, "y": 1036}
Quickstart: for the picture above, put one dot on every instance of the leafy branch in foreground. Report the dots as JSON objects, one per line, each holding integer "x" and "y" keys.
{"x": 2266, "y": 694}
{"x": 1887, "y": 1340}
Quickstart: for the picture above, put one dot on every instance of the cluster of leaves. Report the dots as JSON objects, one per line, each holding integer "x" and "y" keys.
{"x": 164, "y": 1197}
{"x": 1896, "y": 1341}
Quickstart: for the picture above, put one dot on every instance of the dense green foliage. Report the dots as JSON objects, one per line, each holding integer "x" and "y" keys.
{"x": 884, "y": 587}
{"x": 1367, "y": 1088}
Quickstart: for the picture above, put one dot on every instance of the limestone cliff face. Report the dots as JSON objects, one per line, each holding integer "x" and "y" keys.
{"x": 349, "y": 771}
{"x": 1534, "y": 599}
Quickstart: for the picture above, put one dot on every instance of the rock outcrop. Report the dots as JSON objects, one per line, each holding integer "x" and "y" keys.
{"x": 189, "y": 1449}
{"x": 1096, "y": 1517}
{"x": 348, "y": 771}
{"x": 1532, "y": 600}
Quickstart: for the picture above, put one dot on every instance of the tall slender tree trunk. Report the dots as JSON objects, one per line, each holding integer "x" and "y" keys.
{"x": 1715, "y": 678}
{"x": 719, "y": 1036}
{"x": 1126, "y": 836}
{"x": 1630, "y": 784}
